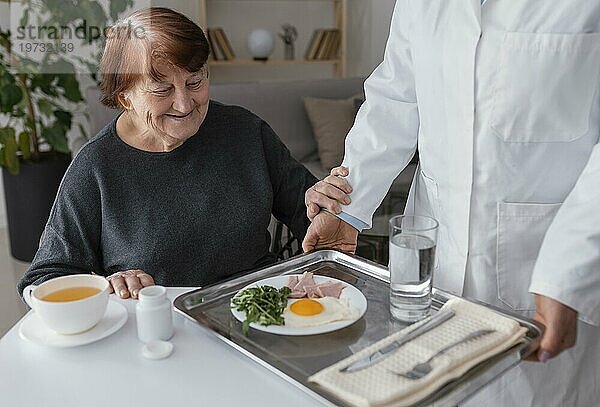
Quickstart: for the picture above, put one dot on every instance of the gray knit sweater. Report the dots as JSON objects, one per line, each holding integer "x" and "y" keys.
{"x": 189, "y": 217}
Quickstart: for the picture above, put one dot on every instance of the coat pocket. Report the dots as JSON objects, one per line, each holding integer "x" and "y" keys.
{"x": 545, "y": 86}
{"x": 521, "y": 229}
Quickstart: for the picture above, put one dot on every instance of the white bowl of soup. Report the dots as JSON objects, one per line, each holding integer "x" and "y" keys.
{"x": 71, "y": 304}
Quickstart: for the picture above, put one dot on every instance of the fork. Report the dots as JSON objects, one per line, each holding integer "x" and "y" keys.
{"x": 421, "y": 370}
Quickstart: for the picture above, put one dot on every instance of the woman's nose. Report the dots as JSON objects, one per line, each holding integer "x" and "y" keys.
{"x": 183, "y": 101}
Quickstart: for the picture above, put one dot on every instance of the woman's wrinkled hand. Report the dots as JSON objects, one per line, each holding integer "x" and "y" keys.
{"x": 329, "y": 193}
{"x": 329, "y": 232}
{"x": 128, "y": 283}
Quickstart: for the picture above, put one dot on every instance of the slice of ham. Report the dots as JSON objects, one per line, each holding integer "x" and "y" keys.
{"x": 330, "y": 289}
{"x": 305, "y": 279}
{"x": 292, "y": 281}
{"x": 305, "y": 286}
{"x": 312, "y": 291}
{"x": 297, "y": 294}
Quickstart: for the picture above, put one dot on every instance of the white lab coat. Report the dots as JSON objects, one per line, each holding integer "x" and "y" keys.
{"x": 503, "y": 101}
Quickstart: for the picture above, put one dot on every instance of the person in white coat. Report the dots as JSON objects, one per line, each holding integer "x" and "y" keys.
{"x": 503, "y": 101}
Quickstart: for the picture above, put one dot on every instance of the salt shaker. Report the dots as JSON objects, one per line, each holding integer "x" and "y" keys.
{"x": 154, "y": 314}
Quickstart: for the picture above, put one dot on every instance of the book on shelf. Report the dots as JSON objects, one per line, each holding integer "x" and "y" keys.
{"x": 217, "y": 54}
{"x": 225, "y": 44}
{"x": 334, "y": 46}
{"x": 324, "y": 44}
{"x": 220, "y": 45}
{"x": 315, "y": 44}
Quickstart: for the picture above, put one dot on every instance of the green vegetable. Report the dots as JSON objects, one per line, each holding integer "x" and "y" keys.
{"x": 263, "y": 305}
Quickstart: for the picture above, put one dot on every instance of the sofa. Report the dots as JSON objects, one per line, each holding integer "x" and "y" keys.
{"x": 280, "y": 103}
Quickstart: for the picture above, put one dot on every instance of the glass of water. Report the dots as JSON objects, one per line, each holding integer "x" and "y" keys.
{"x": 413, "y": 240}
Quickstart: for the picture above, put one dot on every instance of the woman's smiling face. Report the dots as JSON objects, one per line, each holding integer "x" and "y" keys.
{"x": 173, "y": 108}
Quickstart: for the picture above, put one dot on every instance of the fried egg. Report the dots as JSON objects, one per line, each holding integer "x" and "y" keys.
{"x": 307, "y": 312}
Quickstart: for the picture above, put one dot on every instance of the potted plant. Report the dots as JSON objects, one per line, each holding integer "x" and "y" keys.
{"x": 40, "y": 102}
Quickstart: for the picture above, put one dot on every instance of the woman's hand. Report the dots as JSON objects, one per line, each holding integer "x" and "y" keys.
{"x": 129, "y": 283}
{"x": 329, "y": 232}
{"x": 328, "y": 193}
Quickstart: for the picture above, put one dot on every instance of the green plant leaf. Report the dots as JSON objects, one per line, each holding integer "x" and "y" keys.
{"x": 6, "y": 133}
{"x": 56, "y": 137}
{"x": 18, "y": 112}
{"x": 65, "y": 11}
{"x": 44, "y": 82}
{"x": 6, "y": 77}
{"x": 25, "y": 145}
{"x": 4, "y": 40}
{"x": 45, "y": 107}
{"x": 24, "y": 18}
{"x": 10, "y": 159}
{"x": 29, "y": 123}
{"x": 63, "y": 117}
{"x": 117, "y": 7}
{"x": 70, "y": 86}
{"x": 93, "y": 13}
{"x": 59, "y": 65}
{"x": 10, "y": 95}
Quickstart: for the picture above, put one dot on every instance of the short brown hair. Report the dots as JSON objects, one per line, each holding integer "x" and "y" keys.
{"x": 134, "y": 44}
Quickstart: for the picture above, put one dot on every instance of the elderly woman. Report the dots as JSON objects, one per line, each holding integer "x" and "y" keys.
{"x": 177, "y": 189}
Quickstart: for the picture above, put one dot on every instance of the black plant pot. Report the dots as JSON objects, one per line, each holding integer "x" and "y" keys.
{"x": 29, "y": 198}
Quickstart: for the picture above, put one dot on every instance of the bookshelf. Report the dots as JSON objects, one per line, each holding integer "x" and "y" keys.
{"x": 339, "y": 12}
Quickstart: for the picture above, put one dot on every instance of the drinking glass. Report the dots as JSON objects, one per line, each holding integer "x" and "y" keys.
{"x": 413, "y": 241}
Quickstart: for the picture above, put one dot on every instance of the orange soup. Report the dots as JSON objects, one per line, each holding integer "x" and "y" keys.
{"x": 71, "y": 294}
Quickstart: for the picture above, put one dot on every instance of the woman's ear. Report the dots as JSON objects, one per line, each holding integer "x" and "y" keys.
{"x": 124, "y": 101}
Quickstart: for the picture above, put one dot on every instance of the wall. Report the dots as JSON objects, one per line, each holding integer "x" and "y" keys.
{"x": 367, "y": 22}
{"x": 380, "y": 21}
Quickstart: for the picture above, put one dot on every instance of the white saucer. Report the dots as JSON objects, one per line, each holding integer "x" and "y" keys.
{"x": 157, "y": 349}
{"x": 33, "y": 329}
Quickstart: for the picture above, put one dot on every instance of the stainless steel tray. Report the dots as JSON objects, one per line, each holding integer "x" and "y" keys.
{"x": 297, "y": 358}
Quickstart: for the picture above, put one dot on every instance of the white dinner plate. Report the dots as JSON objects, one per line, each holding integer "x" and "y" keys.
{"x": 355, "y": 298}
{"x": 33, "y": 329}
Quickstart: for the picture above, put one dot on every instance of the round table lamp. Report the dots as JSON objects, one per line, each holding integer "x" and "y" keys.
{"x": 260, "y": 44}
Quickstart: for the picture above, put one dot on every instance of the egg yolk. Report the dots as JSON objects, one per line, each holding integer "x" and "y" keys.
{"x": 306, "y": 307}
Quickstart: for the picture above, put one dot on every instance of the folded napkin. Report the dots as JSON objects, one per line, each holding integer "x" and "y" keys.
{"x": 378, "y": 386}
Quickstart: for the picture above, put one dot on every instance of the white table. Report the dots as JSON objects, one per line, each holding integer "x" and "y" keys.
{"x": 202, "y": 371}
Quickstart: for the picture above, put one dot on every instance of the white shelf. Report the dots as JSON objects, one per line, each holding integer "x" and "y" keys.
{"x": 339, "y": 22}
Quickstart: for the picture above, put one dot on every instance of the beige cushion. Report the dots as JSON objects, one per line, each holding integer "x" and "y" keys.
{"x": 331, "y": 119}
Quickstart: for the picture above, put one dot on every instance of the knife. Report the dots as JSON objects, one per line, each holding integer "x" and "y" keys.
{"x": 383, "y": 353}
